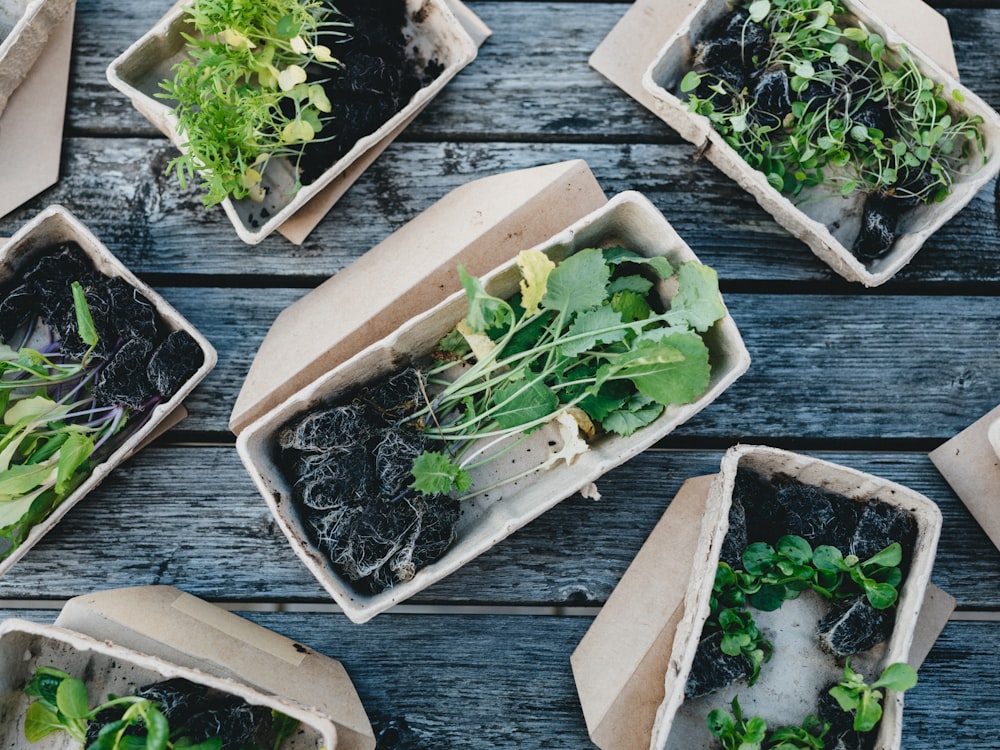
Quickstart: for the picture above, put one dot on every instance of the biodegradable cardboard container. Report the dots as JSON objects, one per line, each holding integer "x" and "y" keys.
{"x": 789, "y": 683}
{"x": 481, "y": 224}
{"x": 620, "y": 663}
{"x": 433, "y": 32}
{"x": 55, "y": 225}
{"x": 630, "y": 57}
{"x": 970, "y": 462}
{"x": 628, "y": 219}
{"x": 125, "y": 638}
{"x": 24, "y": 30}
{"x": 31, "y": 125}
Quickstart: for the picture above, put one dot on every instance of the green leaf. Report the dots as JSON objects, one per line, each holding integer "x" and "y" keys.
{"x": 71, "y": 698}
{"x": 602, "y": 325}
{"x": 757, "y": 557}
{"x": 519, "y": 404}
{"x": 888, "y": 557}
{"x": 769, "y": 598}
{"x": 485, "y": 310}
{"x": 40, "y": 722}
{"x": 698, "y": 296}
{"x": 631, "y": 305}
{"x": 636, "y": 413}
{"x": 287, "y": 28}
{"x": 31, "y": 409}
{"x": 847, "y": 699}
{"x": 880, "y": 595}
{"x": 436, "y": 474}
{"x": 759, "y": 10}
{"x": 84, "y": 321}
{"x": 157, "y": 729}
{"x": 827, "y": 558}
{"x": 690, "y": 81}
{"x": 20, "y": 480}
{"x": 657, "y": 373}
{"x": 898, "y": 677}
{"x": 617, "y": 255}
{"x": 74, "y": 452}
{"x": 868, "y": 712}
{"x": 632, "y": 283}
{"x": 578, "y": 283}
{"x": 282, "y": 727}
{"x": 795, "y": 548}
{"x": 535, "y": 269}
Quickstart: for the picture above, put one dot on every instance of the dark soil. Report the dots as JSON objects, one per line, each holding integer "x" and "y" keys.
{"x": 841, "y": 734}
{"x": 350, "y": 467}
{"x": 854, "y": 626}
{"x": 140, "y": 359}
{"x": 376, "y": 81}
{"x": 713, "y": 670}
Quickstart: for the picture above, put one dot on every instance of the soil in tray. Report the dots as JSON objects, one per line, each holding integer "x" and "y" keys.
{"x": 377, "y": 79}
{"x": 764, "y": 510}
{"x": 349, "y": 464}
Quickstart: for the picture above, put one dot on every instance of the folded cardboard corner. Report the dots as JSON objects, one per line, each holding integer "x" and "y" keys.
{"x": 304, "y": 221}
{"x": 970, "y": 463}
{"x": 632, "y": 45}
{"x": 31, "y": 125}
{"x": 165, "y": 622}
{"x": 480, "y": 225}
{"x": 620, "y": 664}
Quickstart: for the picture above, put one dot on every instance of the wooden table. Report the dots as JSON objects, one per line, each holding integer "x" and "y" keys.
{"x": 870, "y": 378}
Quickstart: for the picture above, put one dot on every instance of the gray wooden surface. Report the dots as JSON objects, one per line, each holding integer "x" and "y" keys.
{"x": 870, "y": 379}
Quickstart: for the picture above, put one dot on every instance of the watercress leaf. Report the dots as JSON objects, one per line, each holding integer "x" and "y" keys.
{"x": 535, "y": 269}
{"x": 690, "y": 81}
{"x": 521, "y": 403}
{"x": 602, "y": 325}
{"x": 436, "y": 474}
{"x": 698, "y": 296}
{"x": 657, "y": 372}
{"x": 40, "y": 721}
{"x": 631, "y": 305}
{"x": 71, "y": 698}
{"x": 485, "y": 310}
{"x": 84, "y": 321}
{"x": 157, "y": 729}
{"x": 880, "y": 595}
{"x": 637, "y": 412}
{"x": 632, "y": 283}
{"x": 759, "y": 10}
{"x": 578, "y": 283}
{"x": 899, "y": 676}
{"x": 74, "y": 452}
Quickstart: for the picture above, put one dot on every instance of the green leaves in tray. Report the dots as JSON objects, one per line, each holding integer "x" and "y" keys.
{"x": 587, "y": 339}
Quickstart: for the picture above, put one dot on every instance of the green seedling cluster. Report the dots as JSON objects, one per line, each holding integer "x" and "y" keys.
{"x": 737, "y": 733}
{"x": 243, "y": 96}
{"x": 586, "y": 344}
{"x": 865, "y": 701}
{"x": 837, "y": 72}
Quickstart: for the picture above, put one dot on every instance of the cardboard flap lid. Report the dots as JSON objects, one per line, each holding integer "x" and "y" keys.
{"x": 480, "y": 224}
{"x": 620, "y": 663}
{"x": 31, "y": 128}
{"x": 299, "y": 226}
{"x": 970, "y": 462}
{"x": 166, "y": 622}
{"x": 637, "y": 38}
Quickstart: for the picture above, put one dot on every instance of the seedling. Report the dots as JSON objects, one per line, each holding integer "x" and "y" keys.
{"x": 586, "y": 344}
{"x": 865, "y": 701}
{"x": 162, "y": 716}
{"x": 734, "y": 732}
{"x": 243, "y": 95}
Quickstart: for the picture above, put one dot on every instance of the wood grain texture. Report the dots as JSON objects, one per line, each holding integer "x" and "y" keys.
{"x": 430, "y": 681}
{"x": 190, "y": 517}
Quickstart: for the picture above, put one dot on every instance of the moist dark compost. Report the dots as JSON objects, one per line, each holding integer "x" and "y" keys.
{"x": 377, "y": 78}
{"x": 760, "y": 567}
{"x": 350, "y": 465}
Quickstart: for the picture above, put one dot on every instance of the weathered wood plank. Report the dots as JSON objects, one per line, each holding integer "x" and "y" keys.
{"x": 531, "y": 79}
{"x": 191, "y": 517}
{"x": 436, "y": 680}
{"x": 118, "y": 188}
{"x": 824, "y": 367}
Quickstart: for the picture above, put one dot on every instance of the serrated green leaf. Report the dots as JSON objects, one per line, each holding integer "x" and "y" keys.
{"x": 84, "y": 321}
{"x": 618, "y": 255}
{"x": 578, "y": 283}
{"x": 521, "y": 403}
{"x": 602, "y": 325}
{"x": 435, "y": 473}
{"x": 72, "y": 454}
{"x": 632, "y": 306}
{"x": 485, "y": 310}
{"x": 632, "y": 283}
{"x": 673, "y": 370}
{"x": 698, "y": 296}
{"x": 635, "y": 413}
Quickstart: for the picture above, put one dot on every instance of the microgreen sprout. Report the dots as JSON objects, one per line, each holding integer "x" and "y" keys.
{"x": 738, "y": 733}
{"x": 138, "y": 722}
{"x": 586, "y": 344}
{"x": 830, "y": 103}
{"x": 864, "y": 700}
{"x": 243, "y": 94}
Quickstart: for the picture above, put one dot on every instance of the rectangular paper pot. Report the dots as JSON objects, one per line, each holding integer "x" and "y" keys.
{"x": 825, "y": 221}
{"x": 24, "y": 30}
{"x": 789, "y": 684}
{"x": 110, "y": 668}
{"x": 628, "y": 219}
{"x": 433, "y": 33}
{"x": 56, "y": 225}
